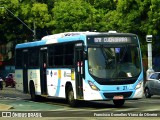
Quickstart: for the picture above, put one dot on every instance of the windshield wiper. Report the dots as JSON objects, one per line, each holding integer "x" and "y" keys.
{"x": 104, "y": 54}
{"x": 124, "y": 53}
{"x": 107, "y": 60}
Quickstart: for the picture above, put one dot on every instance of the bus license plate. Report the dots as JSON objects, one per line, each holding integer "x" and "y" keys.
{"x": 118, "y": 97}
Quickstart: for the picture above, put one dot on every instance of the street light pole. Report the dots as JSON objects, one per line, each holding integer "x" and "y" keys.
{"x": 150, "y": 68}
{"x": 33, "y": 31}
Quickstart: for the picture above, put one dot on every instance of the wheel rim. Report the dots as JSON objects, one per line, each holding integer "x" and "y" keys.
{"x": 70, "y": 96}
{"x": 147, "y": 92}
{"x": 32, "y": 92}
{"x": 32, "y": 95}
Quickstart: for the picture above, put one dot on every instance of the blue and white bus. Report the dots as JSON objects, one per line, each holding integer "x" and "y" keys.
{"x": 81, "y": 66}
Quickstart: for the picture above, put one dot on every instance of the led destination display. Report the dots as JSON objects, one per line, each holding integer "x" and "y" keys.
{"x": 112, "y": 40}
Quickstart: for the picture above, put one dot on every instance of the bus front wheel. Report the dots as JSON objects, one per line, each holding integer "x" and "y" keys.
{"x": 70, "y": 97}
{"x": 118, "y": 103}
{"x": 147, "y": 93}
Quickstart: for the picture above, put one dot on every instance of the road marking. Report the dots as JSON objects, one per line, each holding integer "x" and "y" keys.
{"x": 150, "y": 110}
{"x": 127, "y": 109}
{"x": 11, "y": 98}
{"x": 145, "y": 101}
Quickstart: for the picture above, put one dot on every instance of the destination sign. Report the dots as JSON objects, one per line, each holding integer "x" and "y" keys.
{"x": 112, "y": 40}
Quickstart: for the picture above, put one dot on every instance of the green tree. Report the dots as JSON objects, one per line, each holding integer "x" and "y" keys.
{"x": 29, "y": 13}
{"x": 73, "y": 15}
{"x": 9, "y": 27}
{"x": 126, "y": 16}
{"x": 53, "y": 16}
{"x": 153, "y": 23}
{"x": 36, "y": 15}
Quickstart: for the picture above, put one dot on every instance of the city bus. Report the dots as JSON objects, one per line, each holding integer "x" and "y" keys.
{"x": 81, "y": 66}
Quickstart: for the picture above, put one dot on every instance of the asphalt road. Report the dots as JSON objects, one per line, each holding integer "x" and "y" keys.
{"x": 143, "y": 108}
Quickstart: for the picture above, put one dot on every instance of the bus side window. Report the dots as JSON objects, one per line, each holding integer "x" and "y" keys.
{"x": 69, "y": 54}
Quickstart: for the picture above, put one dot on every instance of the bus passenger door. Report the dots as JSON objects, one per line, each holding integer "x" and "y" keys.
{"x": 43, "y": 77}
{"x": 25, "y": 71}
{"x": 79, "y": 71}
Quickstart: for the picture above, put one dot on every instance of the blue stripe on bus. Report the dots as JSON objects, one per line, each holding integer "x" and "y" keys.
{"x": 43, "y": 42}
{"x": 58, "y": 87}
{"x": 31, "y": 44}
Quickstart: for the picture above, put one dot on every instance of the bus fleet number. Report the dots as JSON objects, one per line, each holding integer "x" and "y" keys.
{"x": 124, "y": 87}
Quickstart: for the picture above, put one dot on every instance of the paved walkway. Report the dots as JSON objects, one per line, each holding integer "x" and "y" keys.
{"x": 4, "y": 107}
{"x": 12, "y": 93}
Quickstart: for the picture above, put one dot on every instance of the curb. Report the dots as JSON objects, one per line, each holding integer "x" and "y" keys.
{"x": 5, "y": 107}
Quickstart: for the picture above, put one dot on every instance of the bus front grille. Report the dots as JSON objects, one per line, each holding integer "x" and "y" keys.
{"x": 111, "y": 95}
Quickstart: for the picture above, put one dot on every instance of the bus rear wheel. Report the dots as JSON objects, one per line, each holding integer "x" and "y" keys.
{"x": 118, "y": 103}
{"x": 70, "y": 97}
{"x": 34, "y": 97}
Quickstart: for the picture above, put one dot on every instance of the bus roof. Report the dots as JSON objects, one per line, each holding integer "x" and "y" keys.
{"x": 56, "y": 38}
{"x": 66, "y": 34}
{"x": 65, "y": 37}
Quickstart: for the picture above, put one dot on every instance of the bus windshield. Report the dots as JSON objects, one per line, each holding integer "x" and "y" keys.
{"x": 114, "y": 62}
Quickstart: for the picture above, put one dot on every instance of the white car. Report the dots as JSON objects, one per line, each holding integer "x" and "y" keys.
{"x": 152, "y": 85}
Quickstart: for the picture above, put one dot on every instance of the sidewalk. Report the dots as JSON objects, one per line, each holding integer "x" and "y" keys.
{"x": 10, "y": 93}
{"x": 4, "y": 107}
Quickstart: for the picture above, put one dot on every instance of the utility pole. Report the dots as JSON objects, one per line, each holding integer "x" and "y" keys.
{"x": 33, "y": 31}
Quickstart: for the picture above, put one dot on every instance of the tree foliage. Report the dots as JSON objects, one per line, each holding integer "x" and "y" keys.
{"x": 73, "y": 16}
{"x": 141, "y": 17}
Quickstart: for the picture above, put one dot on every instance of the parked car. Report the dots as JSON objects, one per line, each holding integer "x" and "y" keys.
{"x": 10, "y": 80}
{"x": 152, "y": 85}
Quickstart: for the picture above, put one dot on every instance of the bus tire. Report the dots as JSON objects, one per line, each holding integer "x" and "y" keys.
{"x": 119, "y": 103}
{"x": 34, "y": 97}
{"x": 70, "y": 97}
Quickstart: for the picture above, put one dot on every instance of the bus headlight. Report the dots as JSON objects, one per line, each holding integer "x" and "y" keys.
{"x": 93, "y": 86}
{"x": 139, "y": 85}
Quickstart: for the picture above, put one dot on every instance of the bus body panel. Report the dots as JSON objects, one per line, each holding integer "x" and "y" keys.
{"x": 19, "y": 79}
{"x": 56, "y": 82}
{"x": 90, "y": 94}
{"x": 125, "y": 87}
{"x": 34, "y": 75}
{"x": 52, "y": 81}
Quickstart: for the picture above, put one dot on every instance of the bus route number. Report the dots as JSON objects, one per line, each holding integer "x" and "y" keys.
{"x": 124, "y": 87}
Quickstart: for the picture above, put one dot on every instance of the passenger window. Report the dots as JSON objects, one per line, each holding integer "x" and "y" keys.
{"x": 58, "y": 55}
